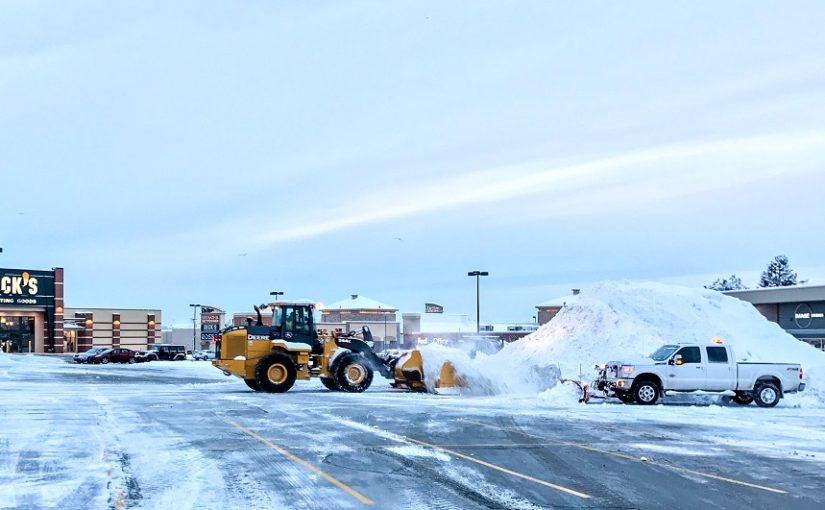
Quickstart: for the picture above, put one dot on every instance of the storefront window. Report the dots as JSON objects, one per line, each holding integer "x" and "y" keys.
{"x": 70, "y": 341}
{"x": 17, "y": 334}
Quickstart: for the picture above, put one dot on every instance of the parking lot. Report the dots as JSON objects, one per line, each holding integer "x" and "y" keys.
{"x": 181, "y": 435}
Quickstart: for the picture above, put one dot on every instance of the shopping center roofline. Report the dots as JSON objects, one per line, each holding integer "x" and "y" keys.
{"x": 90, "y": 309}
{"x": 771, "y": 295}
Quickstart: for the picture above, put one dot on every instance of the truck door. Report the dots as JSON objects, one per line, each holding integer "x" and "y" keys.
{"x": 690, "y": 375}
{"x": 719, "y": 370}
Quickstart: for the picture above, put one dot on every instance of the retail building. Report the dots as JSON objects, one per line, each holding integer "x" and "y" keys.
{"x": 549, "y": 309}
{"x": 33, "y": 318}
{"x": 31, "y": 310}
{"x": 358, "y": 311}
{"x": 435, "y": 326}
{"x": 798, "y": 309}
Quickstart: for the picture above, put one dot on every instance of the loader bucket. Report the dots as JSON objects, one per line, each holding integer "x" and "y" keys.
{"x": 409, "y": 372}
{"x": 448, "y": 381}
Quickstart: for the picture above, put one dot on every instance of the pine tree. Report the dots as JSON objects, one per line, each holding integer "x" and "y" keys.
{"x": 722, "y": 284}
{"x": 778, "y": 273}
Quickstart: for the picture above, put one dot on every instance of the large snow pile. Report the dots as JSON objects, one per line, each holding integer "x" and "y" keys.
{"x": 623, "y": 321}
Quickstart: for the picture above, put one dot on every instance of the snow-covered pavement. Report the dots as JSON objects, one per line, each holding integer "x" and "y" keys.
{"x": 183, "y": 436}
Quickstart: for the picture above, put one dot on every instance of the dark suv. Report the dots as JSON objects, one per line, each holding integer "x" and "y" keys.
{"x": 163, "y": 352}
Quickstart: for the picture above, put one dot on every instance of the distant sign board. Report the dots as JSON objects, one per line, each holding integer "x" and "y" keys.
{"x": 207, "y": 318}
{"x": 20, "y": 287}
{"x": 808, "y": 315}
{"x": 209, "y": 337}
{"x": 433, "y": 308}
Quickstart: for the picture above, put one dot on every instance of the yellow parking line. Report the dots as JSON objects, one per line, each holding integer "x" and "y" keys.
{"x": 637, "y": 459}
{"x": 502, "y": 469}
{"x": 294, "y": 458}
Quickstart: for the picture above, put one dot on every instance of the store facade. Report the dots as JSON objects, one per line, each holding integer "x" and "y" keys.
{"x": 799, "y": 309}
{"x": 31, "y": 310}
{"x": 33, "y": 318}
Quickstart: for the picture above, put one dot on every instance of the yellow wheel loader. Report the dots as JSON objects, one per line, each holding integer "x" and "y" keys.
{"x": 272, "y": 358}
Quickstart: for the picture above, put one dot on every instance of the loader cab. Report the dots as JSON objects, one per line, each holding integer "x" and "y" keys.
{"x": 294, "y": 322}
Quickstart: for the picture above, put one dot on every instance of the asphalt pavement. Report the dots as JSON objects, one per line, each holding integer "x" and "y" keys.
{"x": 176, "y": 436}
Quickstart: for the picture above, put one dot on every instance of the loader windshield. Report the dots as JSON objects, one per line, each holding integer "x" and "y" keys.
{"x": 663, "y": 352}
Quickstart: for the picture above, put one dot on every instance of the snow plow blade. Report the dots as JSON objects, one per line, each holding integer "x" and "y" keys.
{"x": 409, "y": 374}
{"x": 448, "y": 381}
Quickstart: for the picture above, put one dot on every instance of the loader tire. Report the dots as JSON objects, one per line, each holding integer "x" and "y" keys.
{"x": 329, "y": 384}
{"x": 766, "y": 394}
{"x": 275, "y": 373}
{"x": 646, "y": 393}
{"x": 742, "y": 399}
{"x": 252, "y": 384}
{"x": 352, "y": 373}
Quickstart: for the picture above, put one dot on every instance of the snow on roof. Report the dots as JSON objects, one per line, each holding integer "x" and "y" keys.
{"x": 560, "y": 301}
{"x": 446, "y": 323}
{"x": 788, "y": 294}
{"x": 356, "y": 302}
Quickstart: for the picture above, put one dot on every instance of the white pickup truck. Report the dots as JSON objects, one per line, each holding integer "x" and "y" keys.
{"x": 707, "y": 368}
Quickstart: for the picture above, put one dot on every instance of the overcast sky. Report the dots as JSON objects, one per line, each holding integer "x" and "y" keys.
{"x": 166, "y": 153}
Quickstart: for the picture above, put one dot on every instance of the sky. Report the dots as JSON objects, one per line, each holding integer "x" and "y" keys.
{"x": 167, "y": 153}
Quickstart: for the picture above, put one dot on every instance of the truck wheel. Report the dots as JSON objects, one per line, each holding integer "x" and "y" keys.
{"x": 330, "y": 384}
{"x": 252, "y": 384}
{"x": 352, "y": 373}
{"x": 104, "y": 360}
{"x": 766, "y": 394}
{"x": 742, "y": 399}
{"x": 646, "y": 393}
{"x": 275, "y": 373}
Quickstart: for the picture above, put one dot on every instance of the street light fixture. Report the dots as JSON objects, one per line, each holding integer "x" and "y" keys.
{"x": 478, "y": 274}
{"x": 276, "y": 293}
{"x": 194, "y": 324}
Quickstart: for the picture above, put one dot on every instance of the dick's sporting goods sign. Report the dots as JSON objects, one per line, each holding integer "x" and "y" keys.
{"x": 20, "y": 287}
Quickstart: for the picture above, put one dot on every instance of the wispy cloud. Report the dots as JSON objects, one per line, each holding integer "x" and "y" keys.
{"x": 643, "y": 176}
{"x": 606, "y": 185}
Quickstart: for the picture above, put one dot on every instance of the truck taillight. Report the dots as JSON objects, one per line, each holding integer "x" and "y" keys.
{"x": 801, "y": 372}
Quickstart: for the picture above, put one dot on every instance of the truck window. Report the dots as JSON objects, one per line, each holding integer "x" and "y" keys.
{"x": 690, "y": 354}
{"x": 717, "y": 355}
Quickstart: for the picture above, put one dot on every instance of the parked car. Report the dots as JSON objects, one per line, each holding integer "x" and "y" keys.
{"x": 707, "y": 368}
{"x": 162, "y": 352}
{"x": 115, "y": 355}
{"x": 83, "y": 357}
{"x": 203, "y": 355}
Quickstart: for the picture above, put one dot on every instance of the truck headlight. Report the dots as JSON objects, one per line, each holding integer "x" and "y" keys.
{"x": 628, "y": 370}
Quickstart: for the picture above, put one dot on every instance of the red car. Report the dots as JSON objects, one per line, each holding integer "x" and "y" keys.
{"x": 116, "y": 355}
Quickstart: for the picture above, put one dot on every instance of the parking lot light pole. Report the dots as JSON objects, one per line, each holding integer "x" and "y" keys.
{"x": 478, "y": 274}
{"x": 194, "y": 324}
{"x": 276, "y": 293}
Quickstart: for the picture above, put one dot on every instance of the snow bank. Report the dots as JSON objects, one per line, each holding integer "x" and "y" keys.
{"x": 490, "y": 374}
{"x": 621, "y": 321}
